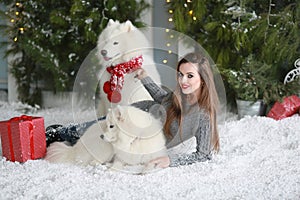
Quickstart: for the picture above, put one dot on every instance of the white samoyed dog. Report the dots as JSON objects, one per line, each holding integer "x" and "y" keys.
{"x": 125, "y": 141}
{"x": 137, "y": 138}
{"x": 122, "y": 48}
{"x": 90, "y": 149}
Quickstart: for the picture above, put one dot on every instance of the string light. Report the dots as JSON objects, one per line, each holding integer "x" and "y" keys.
{"x": 190, "y": 12}
{"x": 168, "y": 44}
{"x": 14, "y": 20}
{"x": 21, "y": 30}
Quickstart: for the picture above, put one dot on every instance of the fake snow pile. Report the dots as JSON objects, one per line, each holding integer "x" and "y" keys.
{"x": 259, "y": 159}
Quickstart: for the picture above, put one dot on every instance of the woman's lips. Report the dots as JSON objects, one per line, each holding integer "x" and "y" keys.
{"x": 184, "y": 86}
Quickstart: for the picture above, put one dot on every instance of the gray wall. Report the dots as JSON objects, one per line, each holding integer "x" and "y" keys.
{"x": 3, "y": 61}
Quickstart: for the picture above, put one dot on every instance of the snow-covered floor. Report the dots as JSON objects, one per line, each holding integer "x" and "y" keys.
{"x": 259, "y": 159}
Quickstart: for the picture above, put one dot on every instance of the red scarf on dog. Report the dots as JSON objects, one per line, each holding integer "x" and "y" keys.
{"x": 114, "y": 86}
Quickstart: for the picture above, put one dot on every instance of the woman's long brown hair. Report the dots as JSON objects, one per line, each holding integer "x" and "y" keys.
{"x": 207, "y": 100}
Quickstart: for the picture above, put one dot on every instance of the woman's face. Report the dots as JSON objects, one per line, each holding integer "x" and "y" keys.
{"x": 188, "y": 78}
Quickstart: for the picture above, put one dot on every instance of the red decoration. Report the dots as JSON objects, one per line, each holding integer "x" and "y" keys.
{"x": 106, "y": 87}
{"x": 23, "y": 138}
{"x": 287, "y": 108}
{"x": 115, "y": 97}
{"x": 114, "y": 86}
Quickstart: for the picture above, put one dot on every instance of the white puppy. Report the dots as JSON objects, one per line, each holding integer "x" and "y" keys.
{"x": 137, "y": 138}
{"x": 90, "y": 149}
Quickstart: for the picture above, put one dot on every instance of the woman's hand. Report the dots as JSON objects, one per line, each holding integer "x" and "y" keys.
{"x": 161, "y": 162}
{"x": 140, "y": 73}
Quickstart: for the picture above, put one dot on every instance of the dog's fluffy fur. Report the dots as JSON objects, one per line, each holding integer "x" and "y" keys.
{"x": 122, "y": 42}
{"x": 90, "y": 149}
{"x": 137, "y": 138}
{"x": 127, "y": 140}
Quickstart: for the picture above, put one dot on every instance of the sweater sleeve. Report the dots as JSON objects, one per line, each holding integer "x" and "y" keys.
{"x": 203, "y": 148}
{"x": 156, "y": 92}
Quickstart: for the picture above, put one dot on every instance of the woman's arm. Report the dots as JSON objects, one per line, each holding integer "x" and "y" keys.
{"x": 203, "y": 148}
{"x": 156, "y": 92}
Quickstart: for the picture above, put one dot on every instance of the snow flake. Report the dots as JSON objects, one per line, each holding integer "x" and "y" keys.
{"x": 88, "y": 21}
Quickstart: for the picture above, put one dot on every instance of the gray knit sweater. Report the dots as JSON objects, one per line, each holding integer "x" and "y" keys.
{"x": 195, "y": 123}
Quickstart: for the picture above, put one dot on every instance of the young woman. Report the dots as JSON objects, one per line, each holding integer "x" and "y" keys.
{"x": 188, "y": 111}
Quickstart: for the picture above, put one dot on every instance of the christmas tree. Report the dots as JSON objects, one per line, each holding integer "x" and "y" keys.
{"x": 233, "y": 30}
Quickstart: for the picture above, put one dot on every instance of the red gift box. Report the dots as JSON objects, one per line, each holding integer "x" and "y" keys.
{"x": 23, "y": 138}
{"x": 287, "y": 108}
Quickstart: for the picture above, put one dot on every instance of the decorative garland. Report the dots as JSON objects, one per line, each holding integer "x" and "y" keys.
{"x": 114, "y": 86}
{"x": 293, "y": 73}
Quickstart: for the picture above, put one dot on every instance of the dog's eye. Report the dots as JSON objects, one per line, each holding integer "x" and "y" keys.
{"x": 111, "y": 126}
{"x": 115, "y": 43}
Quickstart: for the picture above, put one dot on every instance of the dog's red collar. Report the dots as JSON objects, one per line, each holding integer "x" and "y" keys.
{"x": 114, "y": 86}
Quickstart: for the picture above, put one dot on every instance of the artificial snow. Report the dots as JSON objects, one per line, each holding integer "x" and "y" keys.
{"x": 259, "y": 159}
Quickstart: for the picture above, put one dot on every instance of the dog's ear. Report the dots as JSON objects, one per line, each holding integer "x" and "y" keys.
{"x": 120, "y": 115}
{"x": 112, "y": 22}
{"x": 129, "y": 26}
{"x": 108, "y": 112}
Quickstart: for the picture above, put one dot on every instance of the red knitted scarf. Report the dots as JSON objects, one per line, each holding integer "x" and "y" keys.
{"x": 114, "y": 86}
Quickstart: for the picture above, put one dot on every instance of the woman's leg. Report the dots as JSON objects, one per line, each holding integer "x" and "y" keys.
{"x": 52, "y": 134}
{"x": 70, "y": 133}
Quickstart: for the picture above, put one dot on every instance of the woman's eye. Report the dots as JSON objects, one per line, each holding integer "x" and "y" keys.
{"x": 180, "y": 74}
{"x": 190, "y": 76}
{"x": 115, "y": 43}
{"x": 111, "y": 126}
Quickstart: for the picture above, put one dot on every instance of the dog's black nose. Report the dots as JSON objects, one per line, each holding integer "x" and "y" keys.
{"x": 103, "y": 52}
{"x": 102, "y": 136}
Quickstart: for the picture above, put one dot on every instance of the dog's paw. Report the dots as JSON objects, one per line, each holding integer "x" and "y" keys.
{"x": 134, "y": 169}
{"x": 108, "y": 165}
{"x": 116, "y": 165}
{"x": 150, "y": 167}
